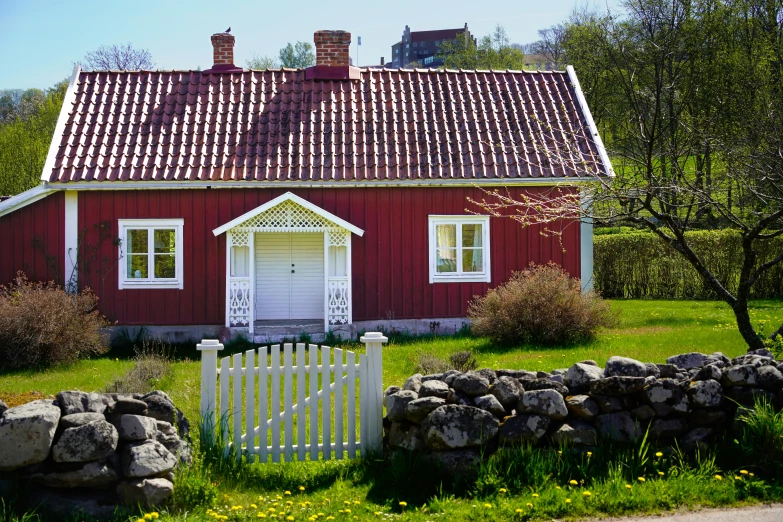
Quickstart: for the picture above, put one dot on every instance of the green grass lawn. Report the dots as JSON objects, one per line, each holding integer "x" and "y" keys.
{"x": 349, "y": 490}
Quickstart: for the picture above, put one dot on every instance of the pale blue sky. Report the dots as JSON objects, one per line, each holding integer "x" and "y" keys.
{"x": 41, "y": 39}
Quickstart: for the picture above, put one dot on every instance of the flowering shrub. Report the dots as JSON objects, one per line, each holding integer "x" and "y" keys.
{"x": 42, "y": 325}
{"x": 542, "y": 305}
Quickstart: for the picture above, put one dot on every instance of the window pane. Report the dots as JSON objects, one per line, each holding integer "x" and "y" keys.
{"x": 138, "y": 266}
{"x": 164, "y": 241}
{"x": 473, "y": 260}
{"x": 164, "y": 266}
{"x": 446, "y": 236}
{"x": 446, "y": 260}
{"x": 137, "y": 241}
{"x": 471, "y": 235}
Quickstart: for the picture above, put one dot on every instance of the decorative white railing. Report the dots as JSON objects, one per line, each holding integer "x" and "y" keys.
{"x": 222, "y": 404}
{"x": 338, "y": 300}
{"x": 240, "y": 301}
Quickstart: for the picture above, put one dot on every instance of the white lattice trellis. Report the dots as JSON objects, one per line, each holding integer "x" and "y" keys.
{"x": 286, "y": 217}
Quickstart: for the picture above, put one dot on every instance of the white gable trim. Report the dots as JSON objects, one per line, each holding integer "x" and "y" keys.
{"x": 288, "y": 196}
{"x": 25, "y": 198}
{"x": 580, "y": 97}
{"x": 59, "y": 128}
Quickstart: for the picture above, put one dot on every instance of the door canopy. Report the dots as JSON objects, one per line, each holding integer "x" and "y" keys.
{"x": 287, "y": 213}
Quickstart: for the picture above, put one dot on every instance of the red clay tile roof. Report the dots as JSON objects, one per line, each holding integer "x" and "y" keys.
{"x": 276, "y": 125}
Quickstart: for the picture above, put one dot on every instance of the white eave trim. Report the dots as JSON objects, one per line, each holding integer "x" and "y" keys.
{"x": 25, "y": 198}
{"x": 288, "y": 196}
{"x": 70, "y": 94}
{"x": 590, "y": 122}
{"x": 261, "y": 184}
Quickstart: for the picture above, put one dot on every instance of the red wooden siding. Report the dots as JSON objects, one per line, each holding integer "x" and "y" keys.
{"x": 390, "y": 263}
{"x": 41, "y": 221}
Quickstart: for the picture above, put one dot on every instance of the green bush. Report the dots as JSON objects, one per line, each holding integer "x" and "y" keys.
{"x": 151, "y": 370}
{"x": 541, "y": 305}
{"x": 640, "y": 265}
{"x": 42, "y": 325}
{"x": 761, "y": 437}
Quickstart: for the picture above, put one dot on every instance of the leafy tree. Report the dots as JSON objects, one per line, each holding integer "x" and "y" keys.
{"x": 678, "y": 80}
{"x": 259, "y": 62}
{"x": 25, "y": 137}
{"x": 18, "y": 103}
{"x": 551, "y": 43}
{"x": 493, "y": 51}
{"x": 297, "y": 56}
{"x": 118, "y": 57}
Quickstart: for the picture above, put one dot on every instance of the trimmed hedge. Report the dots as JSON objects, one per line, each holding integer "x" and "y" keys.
{"x": 640, "y": 265}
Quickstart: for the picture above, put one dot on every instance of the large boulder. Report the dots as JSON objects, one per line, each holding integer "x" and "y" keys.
{"x": 418, "y": 409}
{"x": 582, "y": 406}
{"x": 26, "y": 433}
{"x": 98, "y": 475}
{"x": 709, "y": 372}
{"x": 770, "y": 378}
{"x": 543, "y": 402}
{"x": 666, "y": 396}
{"x": 124, "y": 405}
{"x": 666, "y": 371}
{"x": 575, "y": 433}
{"x": 619, "y": 427}
{"x": 624, "y": 367}
{"x": 454, "y": 427}
{"x": 135, "y": 427}
{"x": 491, "y": 404}
{"x": 665, "y": 428}
{"x": 413, "y": 383}
{"x": 696, "y": 439}
{"x": 686, "y": 361}
{"x": 617, "y": 385}
{"x": 396, "y": 403}
{"x": 754, "y": 360}
{"x": 405, "y": 435}
{"x": 160, "y": 406}
{"x": 545, "y": 383}
{"x": 472, "y": 384}
{"x": 146, "y": 459}
{"x": 609, "y": 403}
{"x": 706, "y": 394}
{"x": 523, "y": 429}
{"x": 516, "y": 374}
{"x": 92, "y": 441}
{"x": 580, "y": 375}
{"x": 434, "y": 388}
{"x": 148, "y": 492}
{"x": 507, "y": 390}
{"x": 80, "y": 402}
{"x": 75, "y": 420}
{"x": 746, "y": 375}
{"x": 455, "y": 462}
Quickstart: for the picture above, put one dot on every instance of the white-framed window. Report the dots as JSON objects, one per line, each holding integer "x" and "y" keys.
{"x": 459, "y": 249}
{"x": 152, "y": 253}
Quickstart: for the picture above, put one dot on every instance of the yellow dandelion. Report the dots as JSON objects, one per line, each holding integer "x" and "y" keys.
{"x": 261, "y": 515}
{"x": 751, "y": 474}
{"x": 347, "y": 510}
{"x": 503, "y": 491}
{"x": 377, "y": 512}
{"x": 586, "y": 494}
{"x": 139, "y": 520}
{"x": 737, "y": 477}
{"x": 557, "y": 487}
{"x": 356, "y": 502}
{"x": 519, "y": 510}
{"x": 718, "y": 477}
{"x": 253, "y": 506}
{"x": 535, "y": 495}
{"x": 488, "y": 506}
{"x": 568, "y": 501}
{"x": 287, "y": 493}
{"x": 154, "y": 514}
{"x": 403, "y": 503}
{"x": 573, "y": 482}
{"x": 330, "y": 518}
{"x": 659, "y": 454}
{"x": 743, "y": 472}
{"x": 660, "y": 473}
{"x": 347, "y": 502}
{"x": 529, "y": 506}
{"x": 589, "y": 453}
{"x": 301, "y": 488}
{"x": 289, "y": 518}
{"x": 627, "y": 486}
{"x": 288, "y": 503}
{"x": 641, "y": 479}
{"x": 148, "y": 516}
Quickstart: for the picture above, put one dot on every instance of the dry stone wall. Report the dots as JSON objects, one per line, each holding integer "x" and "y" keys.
{"x": 93, "y": 452}
{"x": 692, "y": 398}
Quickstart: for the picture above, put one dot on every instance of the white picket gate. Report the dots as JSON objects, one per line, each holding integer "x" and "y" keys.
{"x": 337, "y": 388}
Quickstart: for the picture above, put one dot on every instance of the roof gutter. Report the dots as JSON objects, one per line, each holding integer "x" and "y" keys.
{"x": 180, "y": 185}
{"x": 25, "y": 198}
{"x": 590, "y": 123}
{"x": 59, "y": 128}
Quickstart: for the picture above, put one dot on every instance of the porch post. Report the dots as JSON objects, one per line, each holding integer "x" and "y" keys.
{"x": 326, "y": 280}
{"x": 229, "y": 240}
{"x": 251, "y": 259}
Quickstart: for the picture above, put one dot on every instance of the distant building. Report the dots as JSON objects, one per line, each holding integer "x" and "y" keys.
{"x": 420, "y": 48}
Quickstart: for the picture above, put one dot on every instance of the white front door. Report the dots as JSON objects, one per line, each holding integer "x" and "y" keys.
{"x": 289, "y": 275}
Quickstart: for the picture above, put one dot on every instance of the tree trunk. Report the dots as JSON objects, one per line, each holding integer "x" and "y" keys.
{"x": 753, "y": 340}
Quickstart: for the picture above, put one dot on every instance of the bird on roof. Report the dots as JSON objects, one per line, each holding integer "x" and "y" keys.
{"x": 227, "y": 30}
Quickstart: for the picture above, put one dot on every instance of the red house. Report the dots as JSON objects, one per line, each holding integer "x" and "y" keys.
{"x": 328, "y": 198}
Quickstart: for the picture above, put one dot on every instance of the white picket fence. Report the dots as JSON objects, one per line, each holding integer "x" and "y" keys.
{"x": 223, "y": 407}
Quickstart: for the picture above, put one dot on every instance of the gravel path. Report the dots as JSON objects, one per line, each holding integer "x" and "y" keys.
{"x": 761, "y": 513}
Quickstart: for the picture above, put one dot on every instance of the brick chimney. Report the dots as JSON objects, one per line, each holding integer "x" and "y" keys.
{"x": 223, "y": 54}
{"x": 332, "y": 57}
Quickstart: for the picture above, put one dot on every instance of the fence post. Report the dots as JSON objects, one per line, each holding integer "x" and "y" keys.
{"x": 209, "y": 349}
{"x": 374, "y": 392}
